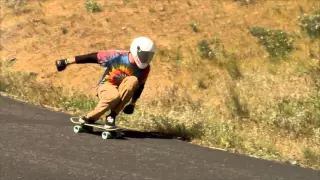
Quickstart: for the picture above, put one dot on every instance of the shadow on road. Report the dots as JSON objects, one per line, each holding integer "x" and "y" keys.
{"x": 128, "y": 133}
{"x": 139, "y": 134}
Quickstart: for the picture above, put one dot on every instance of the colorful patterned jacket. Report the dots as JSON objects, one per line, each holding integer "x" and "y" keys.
{"x": 118, "y": 66}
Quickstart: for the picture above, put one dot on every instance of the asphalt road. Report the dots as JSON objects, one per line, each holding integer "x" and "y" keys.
{"x": 39, "y": 144}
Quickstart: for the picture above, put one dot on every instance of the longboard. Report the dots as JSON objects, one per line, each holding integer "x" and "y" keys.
{"x": 108, "y": 133}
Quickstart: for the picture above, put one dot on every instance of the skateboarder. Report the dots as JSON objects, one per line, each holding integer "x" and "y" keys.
{"x": 123, "y": 80}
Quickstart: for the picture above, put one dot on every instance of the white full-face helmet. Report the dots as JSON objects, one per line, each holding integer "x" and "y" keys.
{"x": 142, "y": 50}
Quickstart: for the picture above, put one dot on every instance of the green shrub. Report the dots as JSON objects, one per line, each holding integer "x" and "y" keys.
{"x": 92, "y": 6}
{"x": 14, "y": 3}
{"x": 19, "y": 7}
{"x": 315, "y": 75}
{"x": 194, "y": 27}
{"x": 311, "y": 24}
{"x": 238, "y": 107}
{"x": 233, "y": 69}
{"x": 206, "y": 50}
{"x": 173, "y": 127}
{"x": 300, "y": 117}
{"x": 278, "y": 43}
{"x": 25, "y": 86}
{"x": 224, "y": 135}
{"x": 245, "y": 2}
{"x": 64, "y": 30}
{"x": 311, "y": 157}
{"x": 152, "y": 10}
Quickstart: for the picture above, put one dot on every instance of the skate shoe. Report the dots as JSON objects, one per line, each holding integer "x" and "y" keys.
{"x": 85, "y": 120}
{"x": 110, "y": 121}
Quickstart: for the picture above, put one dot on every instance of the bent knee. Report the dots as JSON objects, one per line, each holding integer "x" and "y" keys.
{"x": 132, "y": 81}
{"x": 111, "y": 95}
{"x": 115, "y": 98}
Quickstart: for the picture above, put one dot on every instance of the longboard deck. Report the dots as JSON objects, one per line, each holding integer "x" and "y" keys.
{"x": 75, "y": 120}
{"x": 108, "y": 133}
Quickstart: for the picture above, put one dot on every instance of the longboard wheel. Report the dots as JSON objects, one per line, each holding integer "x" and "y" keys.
{"x": 77, "y": 128}
{"x": 106, "y": 135}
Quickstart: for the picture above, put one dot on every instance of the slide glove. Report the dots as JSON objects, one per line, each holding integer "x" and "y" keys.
{"x": 61, "y": 64}
{"x": 129, "y": 109}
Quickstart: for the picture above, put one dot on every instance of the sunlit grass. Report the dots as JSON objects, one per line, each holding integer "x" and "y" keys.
{"x": 227, "y": 93}
{"x": 190, "y": 120}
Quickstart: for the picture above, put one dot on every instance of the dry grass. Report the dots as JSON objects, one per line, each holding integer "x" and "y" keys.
{"x": 189, "y": 120}
{"x": 227, "y": 93}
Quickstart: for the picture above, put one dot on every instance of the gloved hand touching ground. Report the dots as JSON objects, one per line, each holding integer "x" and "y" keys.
{"x": 61, "y": 64}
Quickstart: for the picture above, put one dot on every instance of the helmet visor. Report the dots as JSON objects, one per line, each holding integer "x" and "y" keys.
{"x": 145, "y": 56}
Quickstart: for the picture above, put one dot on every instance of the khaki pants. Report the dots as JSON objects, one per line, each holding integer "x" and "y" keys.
{"x": 114, "y": 98}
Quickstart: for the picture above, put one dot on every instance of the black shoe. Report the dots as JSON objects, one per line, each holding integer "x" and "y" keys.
{"x": 110, "y": 121}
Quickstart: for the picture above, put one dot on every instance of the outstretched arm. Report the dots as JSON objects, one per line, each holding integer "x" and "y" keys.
{"x": 98, "y": 57}
{"x": 88, "y": 58}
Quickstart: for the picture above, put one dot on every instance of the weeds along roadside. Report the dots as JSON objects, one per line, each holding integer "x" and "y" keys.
{"x": 179, "y": 117}
{"x": 269, "y": 112}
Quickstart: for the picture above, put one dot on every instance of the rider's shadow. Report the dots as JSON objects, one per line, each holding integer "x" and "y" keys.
{"x": 134, "y": 134}
{"x": 143, "y": 135}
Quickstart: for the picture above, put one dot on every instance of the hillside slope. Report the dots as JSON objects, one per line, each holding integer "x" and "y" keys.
{"x": 211, "y": 77}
